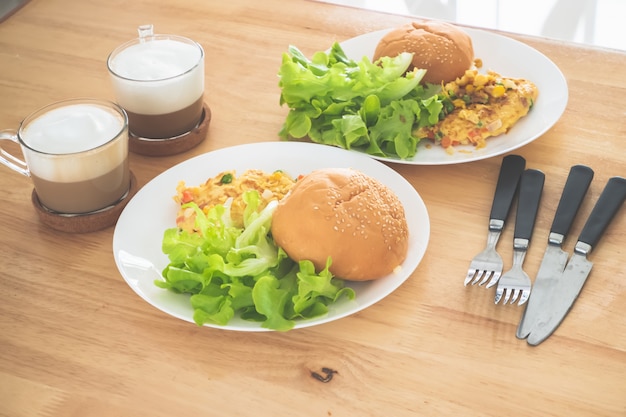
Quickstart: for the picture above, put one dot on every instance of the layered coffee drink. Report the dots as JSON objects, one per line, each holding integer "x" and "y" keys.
{"x": 77, "y": 156}
{"x": 159, "y": 81}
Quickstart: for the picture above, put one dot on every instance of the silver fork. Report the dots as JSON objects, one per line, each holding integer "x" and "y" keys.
{"x": 488, "y": 263}
{"x": 515, "y": 284}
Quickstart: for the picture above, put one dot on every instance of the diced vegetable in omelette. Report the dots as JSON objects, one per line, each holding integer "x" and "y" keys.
{"x": 480, "y": 106}
{"x": 228, "y": 188}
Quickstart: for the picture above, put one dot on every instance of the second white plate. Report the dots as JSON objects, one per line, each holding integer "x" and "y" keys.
{"x": 509, "y": 58}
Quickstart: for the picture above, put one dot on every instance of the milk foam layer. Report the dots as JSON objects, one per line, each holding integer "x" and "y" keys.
{"x": 74, "y": 142}
{"x": 155, "y": 60}
{"x": 73, "y": 128}
{"x": 158, "y": 76}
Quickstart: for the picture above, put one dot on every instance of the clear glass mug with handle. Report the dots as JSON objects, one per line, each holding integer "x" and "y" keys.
{"x": 76, "y": 154}
{"x": 159, "y": 81}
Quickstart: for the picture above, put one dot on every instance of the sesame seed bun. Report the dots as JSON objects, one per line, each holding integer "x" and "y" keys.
{"x": 347, "y": 215}
{"x": 442, "y": 49}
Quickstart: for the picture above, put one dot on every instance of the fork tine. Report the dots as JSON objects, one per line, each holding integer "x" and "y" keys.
{"x": 495, "y": 276}
{"x": 494, "y": 279}
{"x": 499, "y": 292}
{"x": 507, "y": 295}
{"x": 470, "y": 275}
{"x": 524, "y": 297}
{"x": 510, "y": 295}
{"x": 479, "y": 274}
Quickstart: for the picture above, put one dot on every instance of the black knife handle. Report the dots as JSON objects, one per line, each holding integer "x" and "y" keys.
{"x": 608, "y": 204}
{"x": 576, "y": 187}
{"x": 506, "y": 188}
{"x": 531, "y": 187}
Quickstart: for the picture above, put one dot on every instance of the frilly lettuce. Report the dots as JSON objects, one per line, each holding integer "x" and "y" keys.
{"x": 230, "y": 270}
{"x": 362, "y": 105}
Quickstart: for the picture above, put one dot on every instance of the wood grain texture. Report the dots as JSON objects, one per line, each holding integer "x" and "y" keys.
{"x": 76, "y": 341}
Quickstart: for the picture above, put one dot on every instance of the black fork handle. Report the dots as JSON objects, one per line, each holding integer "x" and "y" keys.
{"x": 531, "y": 188}
{"x": 508, "y": 180}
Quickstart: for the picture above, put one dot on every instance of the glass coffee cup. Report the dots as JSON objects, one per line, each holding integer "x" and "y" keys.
{"x": 76, "y": 154}
{"x": 159, "y": 81}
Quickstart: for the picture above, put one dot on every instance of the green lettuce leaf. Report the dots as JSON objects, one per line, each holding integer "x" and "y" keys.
{"x": 364, "y": 105}
{"x": 229, "y": 270}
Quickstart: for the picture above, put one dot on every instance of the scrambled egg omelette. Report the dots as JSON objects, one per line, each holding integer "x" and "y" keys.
{"x": 480, "y": 106}
{"x": 225, "y": 186}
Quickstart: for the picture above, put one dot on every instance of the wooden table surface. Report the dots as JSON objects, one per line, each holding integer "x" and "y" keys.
{"x": 75, "y": 340}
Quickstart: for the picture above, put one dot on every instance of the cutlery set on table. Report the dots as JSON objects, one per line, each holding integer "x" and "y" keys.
{"x": 558, "y": 282}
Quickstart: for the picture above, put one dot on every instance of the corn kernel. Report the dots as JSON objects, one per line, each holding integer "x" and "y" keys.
{"x": 480, "y": 80}
{"x": 498, "y": 91}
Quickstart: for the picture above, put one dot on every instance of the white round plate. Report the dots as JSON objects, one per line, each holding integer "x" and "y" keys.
{"x": 509, "y": 58}
{"x": 139, "y": 231}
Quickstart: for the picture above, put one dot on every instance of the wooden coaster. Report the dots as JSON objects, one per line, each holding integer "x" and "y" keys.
{"x": 177, "y": 144}
{"x": 88, "y": 222}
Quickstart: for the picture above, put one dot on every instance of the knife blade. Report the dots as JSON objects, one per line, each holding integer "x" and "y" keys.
{"x": 578, "y": 268}
{"x": 555, "y": 258}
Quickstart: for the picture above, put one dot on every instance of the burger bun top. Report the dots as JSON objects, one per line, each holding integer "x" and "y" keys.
{"x": 442, "y": 49}
{"x": 346, "y": 215}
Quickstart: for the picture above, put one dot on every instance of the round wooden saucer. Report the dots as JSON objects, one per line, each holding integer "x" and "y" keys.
{"x": 88, "y": 222}
{"x": 177, "y": 144}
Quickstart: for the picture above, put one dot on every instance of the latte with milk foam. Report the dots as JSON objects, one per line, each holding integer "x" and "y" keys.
{"x": 160, "y": 83}
{"x": 78, "y": 156}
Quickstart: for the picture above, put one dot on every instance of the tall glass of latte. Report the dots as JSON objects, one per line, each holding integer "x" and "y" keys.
{"x": 159, "y": 81}
{"x": 76, "y": 154}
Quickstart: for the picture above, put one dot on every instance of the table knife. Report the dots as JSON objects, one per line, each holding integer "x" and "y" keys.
{"x": 578, "y": 268}
{"x": 555, "y": 258}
